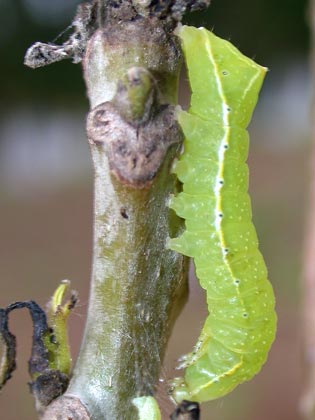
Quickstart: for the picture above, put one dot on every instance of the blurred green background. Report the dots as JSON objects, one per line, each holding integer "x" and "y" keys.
{"x": 46, "y": 188}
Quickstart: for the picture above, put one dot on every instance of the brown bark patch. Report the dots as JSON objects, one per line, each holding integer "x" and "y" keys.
{"x": 135, "y": 152}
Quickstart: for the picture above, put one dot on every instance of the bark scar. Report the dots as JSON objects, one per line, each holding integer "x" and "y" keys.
{"x": 135, "y": 151}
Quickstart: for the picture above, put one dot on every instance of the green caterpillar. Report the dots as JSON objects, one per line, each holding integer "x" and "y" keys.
{"x": 220, "y": 235}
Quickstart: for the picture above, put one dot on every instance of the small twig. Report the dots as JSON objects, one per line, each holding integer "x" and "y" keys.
{"x": 50, "y": 362}
{"x": 47, "y": 384}
{"x": 84, "y": 24}
{"x": 8, "y": 342}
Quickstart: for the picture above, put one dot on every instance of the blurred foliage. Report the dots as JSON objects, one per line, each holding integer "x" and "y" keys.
{"x": 264, "y": 29}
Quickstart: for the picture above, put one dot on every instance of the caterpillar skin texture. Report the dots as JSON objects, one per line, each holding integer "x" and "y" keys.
{"x": 219, "y": 234}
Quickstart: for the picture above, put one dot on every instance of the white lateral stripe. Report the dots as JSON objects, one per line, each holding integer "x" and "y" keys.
{"x": 221, "y": 152}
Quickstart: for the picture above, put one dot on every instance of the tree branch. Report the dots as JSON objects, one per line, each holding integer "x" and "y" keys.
{"x": 131, "y": 61}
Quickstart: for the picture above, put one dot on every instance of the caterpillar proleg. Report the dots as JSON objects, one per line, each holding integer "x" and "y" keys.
{"x": 220, "y": 235}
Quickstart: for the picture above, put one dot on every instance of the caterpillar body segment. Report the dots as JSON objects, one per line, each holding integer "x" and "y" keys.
{"x": 220, "y": 235}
